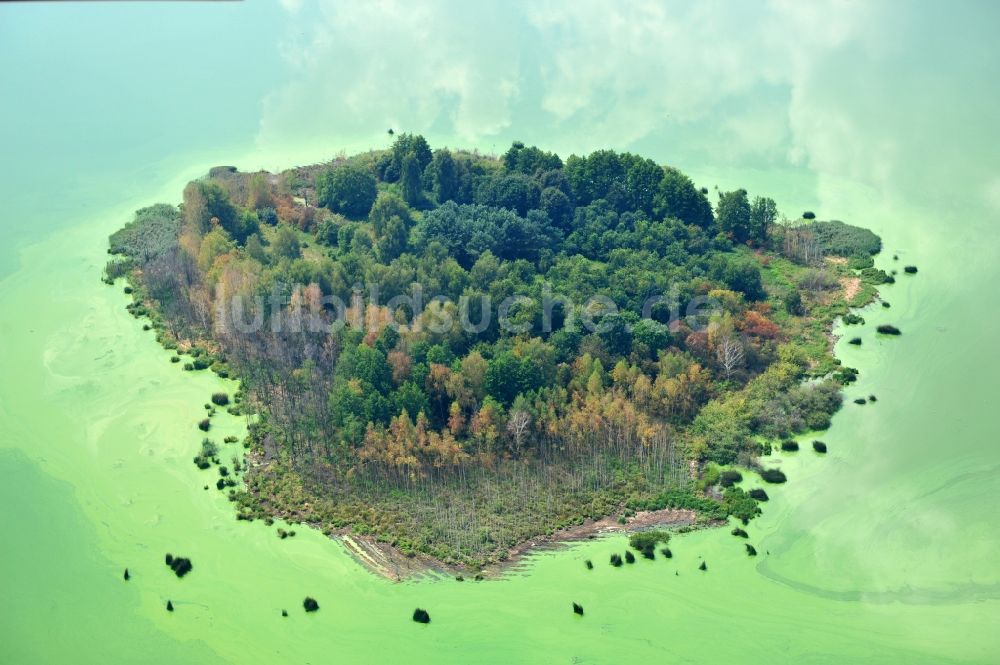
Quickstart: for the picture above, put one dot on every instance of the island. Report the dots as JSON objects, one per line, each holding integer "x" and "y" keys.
{"x": 446, "y": 356}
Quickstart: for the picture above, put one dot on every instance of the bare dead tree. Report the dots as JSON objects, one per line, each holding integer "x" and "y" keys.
{"x": 731, "y": 355}
{"x": 517, "y": 426}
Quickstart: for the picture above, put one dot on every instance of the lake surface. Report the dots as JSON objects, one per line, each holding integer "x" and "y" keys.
{"x": 886, "y": 550}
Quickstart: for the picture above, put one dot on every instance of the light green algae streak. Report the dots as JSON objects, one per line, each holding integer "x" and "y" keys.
{"x": 883, "y": 551}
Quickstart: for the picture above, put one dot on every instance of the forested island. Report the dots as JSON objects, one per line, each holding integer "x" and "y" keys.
{"x": 454, "y": 353}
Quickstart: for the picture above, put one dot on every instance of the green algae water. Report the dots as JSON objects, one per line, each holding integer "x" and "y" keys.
{"x": 885, "y": 550}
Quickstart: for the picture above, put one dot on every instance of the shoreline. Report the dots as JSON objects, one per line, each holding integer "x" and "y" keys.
{"x": 386, "y": 561}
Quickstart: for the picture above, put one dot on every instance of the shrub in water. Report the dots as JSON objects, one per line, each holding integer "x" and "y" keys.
{"x": 310, "y": 604}
{"x": 808, "y": 214}
{"x": 773, "y": 475}
{"x": 853, "y": 320}
{"x": 667, "y": 554}
{"x": 751, "y": 550}
{"x": 170, "y": 606}
{"x": 127, "y": 576}
{"x": 220, "y": 399}
{"x": 204, "y": 424}
{"x": 284, "y": 613}
{"x": 180, "y": 565}
{"x": 578, "y": 609}
{"x": 728, "y": 478}
{"x": 856, "y": 341}
{"x": 421, "y": 616}
{"x": 910, "y": 270}
{"x": 703, "y": 566}
{"x": 886, "y": 329}
{"x": 175, "y": 359}
{"x": 589, "y": 564}
{"x": 739, "y": 532}
{"x": 629, "y": 557}
{"x": 886, "y": 305}
{"x": 861, "y": 400}
{"x": 647, "y": 540}
{"x": 819, "y": 446}
{"x": 790, "y": 446}
{"x": 872, "y": 398}
{"x": 616, "y": 560}
{"x": 758, "y": 494}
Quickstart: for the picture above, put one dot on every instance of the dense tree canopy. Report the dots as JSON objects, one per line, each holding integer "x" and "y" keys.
{"x": 348, "y": 189}
{"x": 565, "y": 335}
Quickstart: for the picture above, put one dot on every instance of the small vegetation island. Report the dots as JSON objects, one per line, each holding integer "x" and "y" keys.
{"x": 453, "y": 354}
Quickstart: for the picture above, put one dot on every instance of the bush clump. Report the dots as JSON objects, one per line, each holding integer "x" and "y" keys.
{"x": 739, "y": 533}
{"x": 180, "y": 565}
{"x": 310, "y": 604}
{"x": 886, "y": 329}
{"x": 421, "y": 616}
{"x": 729, "y": 478}
{"x": 646, "y": 541}
{"x": 220, "y": 399}
{"x": 853, "y": 320}
{"x": 773, "y": 476}
{"x": 758, "y": 494}
{"x": 819, "y": 446}
{"x": 789, "y": 445}
{"x": 204, "y": 424}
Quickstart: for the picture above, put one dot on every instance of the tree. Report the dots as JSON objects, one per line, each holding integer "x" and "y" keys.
{"x": 730, "y": 354}
{"x": 763, "y": 213}
{"x": 255, "y": 249}
{"x": 387, "y": 206}
{"x": 412, "y": 188}
{"x": 444, "y": 176}
{"x": 286, "y": 243}
{"x": 518, "y": 424}
{"x": 529, "y": 161}
{"x": 392, "y": 242}
{"x": 349, "y": 189}
{"x": 391, "y": 169}
{"x": 679, "y": 198}
{"x": 733, "y": 213}
{"x": 557, "y": 206}
{"x": 259, "y": 192}
{"x": 514, "y": 191}
{"x": 642, "y": 183}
